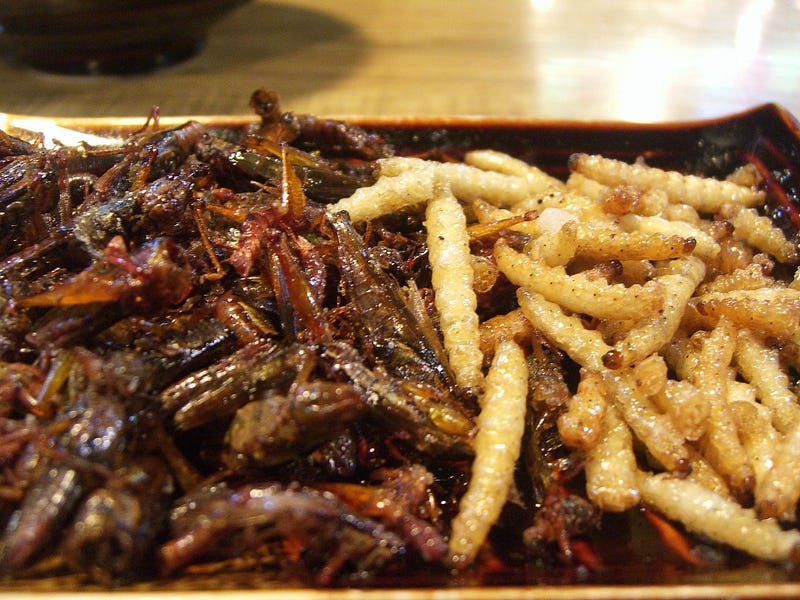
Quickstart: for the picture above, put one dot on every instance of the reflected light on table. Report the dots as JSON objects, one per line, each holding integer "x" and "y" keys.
{"x": 750, "y": 28}
{"x": 641, "y": 89}
{"x": 651, "y": 72}
{"x": 548, "y": 4}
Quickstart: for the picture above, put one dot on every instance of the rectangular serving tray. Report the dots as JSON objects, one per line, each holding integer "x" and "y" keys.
{"x": 766, "y": 135}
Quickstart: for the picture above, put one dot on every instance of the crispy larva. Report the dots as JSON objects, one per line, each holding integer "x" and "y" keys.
{"x": 611, "y": 471}
{"x": 779, "y": 491}
{"x": 501, "y": 424}
{"x": 775, "y": 459}
{"x": 686, "y": 406}
{"x": 751, "y": 277}
{"x": 761, "y": 366}
{"x": 702, "y": 193}
{"x": 580, "y": 425}
{"x": 652, "y": 333}
{"x": 705, "y": 246}
{"x": 585, "y": 346}
{"x": 492, "y": 160}
{"x": 403, "y": 183}
{"x": 470, "y": 183}
{"x": 606, "y": 244}
{"x": 576, "y": 292}
{"x": 719, "y": 518}
{"x": 767, "y": 310}
{"x": 452, "y": 280}
{"x": 721, "y": 444}
{"x": 655, "y": 429}
{"x": 760, "y": 233}
{"x": 761, "y": 442}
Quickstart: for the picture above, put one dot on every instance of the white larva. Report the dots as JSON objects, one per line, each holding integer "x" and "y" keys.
{"x": 497, "y": 446}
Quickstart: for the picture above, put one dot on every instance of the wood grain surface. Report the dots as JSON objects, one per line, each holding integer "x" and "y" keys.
{"x": 550, "y": 59}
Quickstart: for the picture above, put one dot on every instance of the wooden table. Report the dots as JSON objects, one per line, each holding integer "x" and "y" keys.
{"x": 562, "y": 59}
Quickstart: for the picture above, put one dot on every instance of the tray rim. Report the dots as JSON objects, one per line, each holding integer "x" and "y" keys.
{"x": 131, "y": 123}
{"x": 741, "y": 591}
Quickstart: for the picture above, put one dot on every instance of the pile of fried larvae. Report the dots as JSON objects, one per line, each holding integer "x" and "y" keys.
{"x": 663, "y": 289}
{"x": 286, "y": 347}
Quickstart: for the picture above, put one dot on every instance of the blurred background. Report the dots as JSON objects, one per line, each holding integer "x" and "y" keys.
{"x": 547, "y": 59}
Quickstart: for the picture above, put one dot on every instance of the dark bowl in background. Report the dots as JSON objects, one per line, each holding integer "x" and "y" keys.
{"x": 106, "y": 36}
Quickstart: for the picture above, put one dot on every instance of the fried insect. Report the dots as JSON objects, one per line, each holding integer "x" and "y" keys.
{"x": 704, "y": 194}
{"x": 96, "y": 431}
{"x": 611, "y": 471}
{"x": 387, "y": 323}
{"x": 280, "y": 427}
{"x": 331, "y": 533}
{"x": 578, "y": 293}
{"x": 682, "y": 500}
{"x": 579, "y": 426}
{"x": 497, "y": 447}
{"x": 398, "y": 187}
{"x": 113, "y": 532}
{"x": 452, "y": 280}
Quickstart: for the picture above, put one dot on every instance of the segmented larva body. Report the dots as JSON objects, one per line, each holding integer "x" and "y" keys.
{"x": 501, "y": 424}
{"x": 402, "y": 183}
{"x": 539, "y": 182}
{"x": 702, "y": 193}
{"x": 761, "y": 233}
{"x": 611, "y": 473}
{"x": 579, "y": 293}
{"x": 654, "y": 333}
{"x": 708, "y": 513}
{"x": 766, "y": 310}
{"x": 706, "y": 247}
{"x": 452, "y": 279}
{"x": 760, "y": 365}
{"x": 721, "y": 444}
{"x": 471, "y": 183}
{"x": 655, "y": 429}
{"x": 583, "y": 345}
